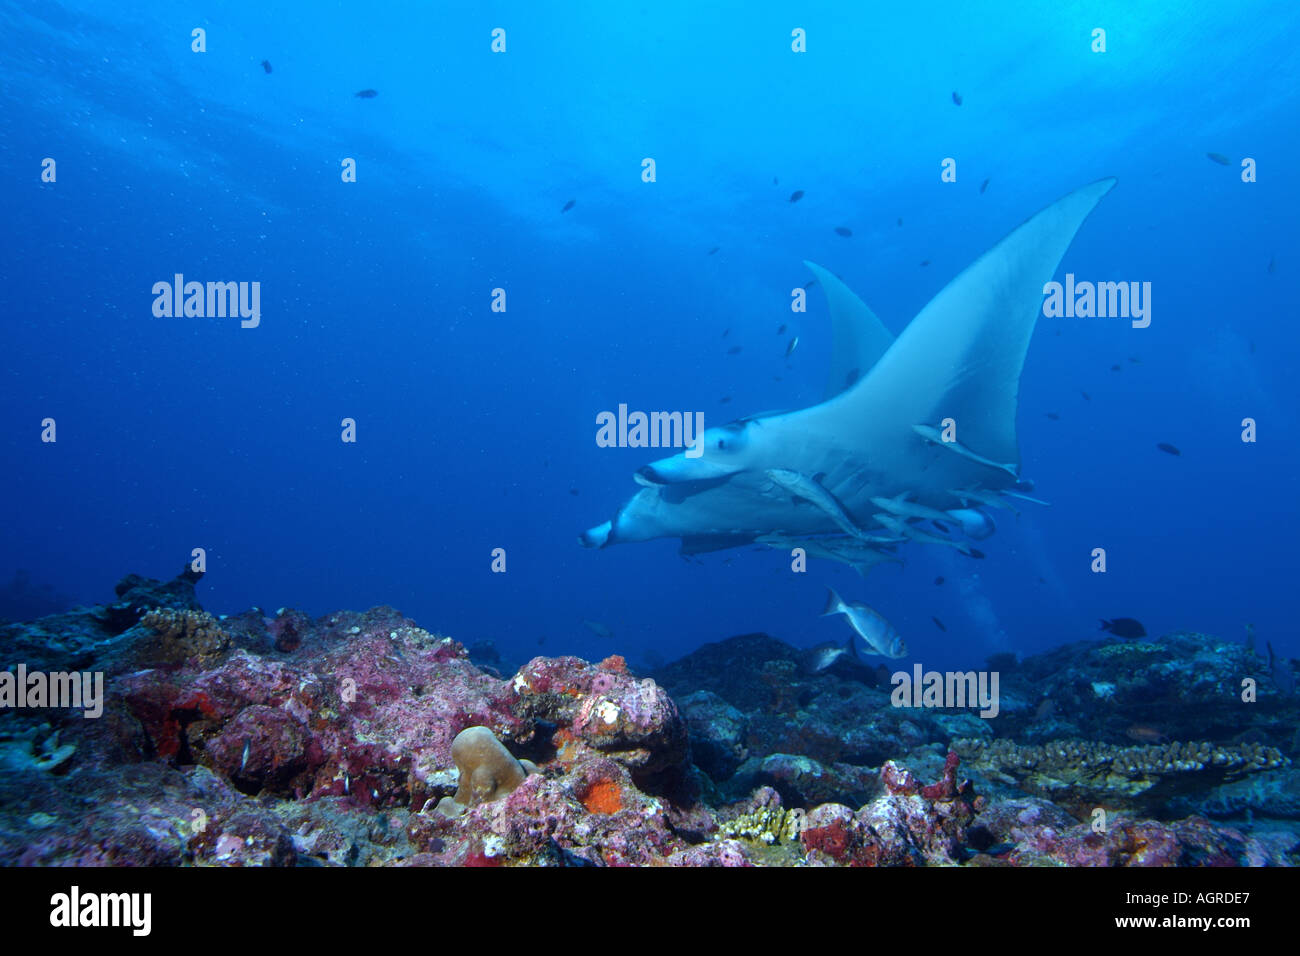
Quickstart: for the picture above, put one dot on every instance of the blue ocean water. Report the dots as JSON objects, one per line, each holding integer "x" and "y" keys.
{"x": 476, "y": 428}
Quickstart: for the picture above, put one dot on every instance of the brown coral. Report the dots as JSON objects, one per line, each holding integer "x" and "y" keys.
{"x": 487, "y": 770}
{"x": 187, "y": 634}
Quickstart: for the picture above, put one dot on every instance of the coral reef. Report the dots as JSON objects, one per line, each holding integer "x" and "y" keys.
{"x": 1085, "y": 774}
{"x": 362, "y": 739}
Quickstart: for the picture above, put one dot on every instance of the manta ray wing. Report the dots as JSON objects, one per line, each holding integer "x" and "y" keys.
{"x": 859, "y": 338}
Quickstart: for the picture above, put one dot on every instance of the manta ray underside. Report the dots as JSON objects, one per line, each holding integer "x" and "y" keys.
{"x": 855, "y": 475}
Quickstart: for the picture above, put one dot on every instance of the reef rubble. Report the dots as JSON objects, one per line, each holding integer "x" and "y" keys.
{"x": 281, "y": 739}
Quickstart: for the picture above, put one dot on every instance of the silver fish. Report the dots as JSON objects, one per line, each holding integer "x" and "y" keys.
{"x": 801, "y": 486}
{"x": 935, "y": 437}
{"x": 877, "y": 633}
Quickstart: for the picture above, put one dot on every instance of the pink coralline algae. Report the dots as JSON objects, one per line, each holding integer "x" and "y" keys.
{"x": 283, "y": 740}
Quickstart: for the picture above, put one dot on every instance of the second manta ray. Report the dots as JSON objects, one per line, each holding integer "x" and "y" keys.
{"x": 912, "y": 427}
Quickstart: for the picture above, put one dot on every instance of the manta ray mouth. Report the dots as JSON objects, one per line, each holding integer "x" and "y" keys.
{"x": 647, "y": 476}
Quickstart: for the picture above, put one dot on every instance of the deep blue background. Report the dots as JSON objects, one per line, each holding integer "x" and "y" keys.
{"x": 475, "y": 426}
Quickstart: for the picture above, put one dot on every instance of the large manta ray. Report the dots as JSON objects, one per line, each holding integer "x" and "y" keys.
{"x": 928, "y": 432}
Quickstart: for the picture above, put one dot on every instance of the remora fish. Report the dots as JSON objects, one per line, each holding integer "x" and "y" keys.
{"x": 801, "y": 486}
{"x": 898, "y": 526}
{"x": 961, "y": 356}
{"x": 877, "y": 633}
{"x": 934, "y": 436}
{"x": 858, "y": 554}
{"x": 901, "y": 507}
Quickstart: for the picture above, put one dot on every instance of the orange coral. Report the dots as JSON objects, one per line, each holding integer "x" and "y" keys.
{"x": 615, "y": 664}
{"x": 603, "y": 796}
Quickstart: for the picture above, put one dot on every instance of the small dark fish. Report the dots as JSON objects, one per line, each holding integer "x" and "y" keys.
{"x": 844, "y": 231}
{"x": 1272, "y": 264}
{"x": 1145, "y": 734}
{"x": 925, "y": 262}
{"x": 266, "y": 65}
{"x": 569, "y": 205}
{"x": 851, "y": 377}
{"x": 1168, "y": 448}
{"x": 781, "y": 329}
{"x": 734, "y": 350}
{"x": 940, "y": 525}
{"x": 796, "y": 195}
{"x": 938, "y": 623}
{"x": 714, "y": 249}
{"x": 541, "y": 640}
{"x": 1220, "y": 159}
{"x": 574, "y": 492}
{"x": 1115, "y": 368}
{"x": 900, "y": 220}
{"x": 368, "y": 94}
{"x": 1045, "y": 709}
{"x": 983, "y": 186}
{"x": 794, "y": 344}
{"x": 939, "y": 579}
{"x": 726, "y": 332}
{"x": 1124, "y": 627}
{"x": 1000, "y": 849}
{"x": 809, "y": 285}
{"x": 1280, "y": 667}
{"x": 775, "y": 182}
{"x": 1086, "y": 396}
{"x": 1250, "y": 638}
{"x": 1053, "y": 416}
{"x": 724, "y": 399}
{"x": 600, "y": 630}
{"x": 976, "y": 553}
{"x": 1135, "y": 360}
{"x": 956, "y": 97}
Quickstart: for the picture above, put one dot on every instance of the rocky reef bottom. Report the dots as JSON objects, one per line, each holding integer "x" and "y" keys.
{"x": 284, "y": 740}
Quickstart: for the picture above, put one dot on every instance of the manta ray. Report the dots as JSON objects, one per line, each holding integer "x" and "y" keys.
{"x": 908, "y": 428}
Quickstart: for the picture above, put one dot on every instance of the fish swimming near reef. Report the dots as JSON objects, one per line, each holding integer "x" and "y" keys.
{"x": 984, "y": 185}
{"x": 266, "y": 65}
{"x": 367, "y": 94}
{"x": 821, "y": 658}
{"x": 1280, "y": 668}
{"x": 1219, "y": 158}
{"x": 844, "y": 231}
{"x": 600, "y": 630}
{"x": 794, "y": 344}
{"x": 1168, "y": 449}
{"x": 877, "y": 633}
{"x": 956, "y": 97}
{"x": 1145, "y": 734}
{"x": 938, "y": 623}
{"x": 567, "y": 206}
{"x": 959, "y": 358}
{"x": 796, "y": 195}
{"x": 1124, "y": 627}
